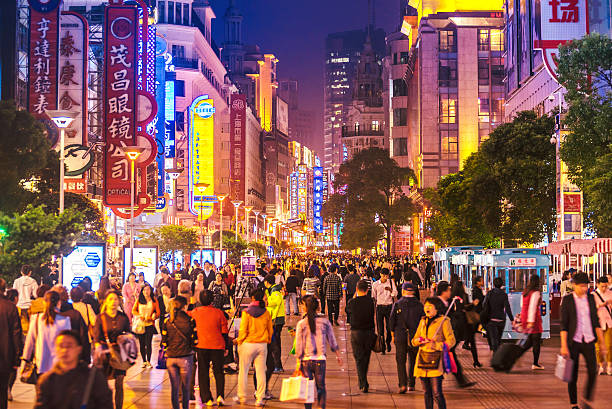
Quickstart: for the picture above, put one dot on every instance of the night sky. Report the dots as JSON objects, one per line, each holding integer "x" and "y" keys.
{"x": 295, "y": 31}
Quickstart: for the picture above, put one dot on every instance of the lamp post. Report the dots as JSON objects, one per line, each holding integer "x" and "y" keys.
{"x": 265, "y": 216}
{"x": 247, "y": 211}
{"x": 62, "y": 119}
{"x": 132, "y": 153}
{"x": 221, "y": 198}
{"x": 174, "y": 174}
{"x": 236, "y": 204}
{"x": 202, "y": 186}
{"x": 256, "y": 213}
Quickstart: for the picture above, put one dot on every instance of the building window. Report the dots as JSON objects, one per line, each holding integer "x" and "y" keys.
{"x": 497, "y": 40}
{"x": 400, "y": 147}
{"x": 497, "y": 71}
{"x": 170, "y": 12}
{"x": 448, "y": 108}
{"x": 447, "y": 73}
{"x": 178, "y": 51}
{"x": 180, "y": 120}
{"x": 394, "y": 58}
{"x": 375, "y": 126}
{"x": 483, "y": 107}
{"x": 449, "y": 145}
{"x": 404, "y": 56}
{"x": 179, "y": 88}
{"x": 161, "y": 9}
{"x": 483, "y": 40}
{"x": 400, "y": 116}
{"x": 399, "y": 88}
{"x": 179, "y": 13}
{"x": 448, "y": 43}
{"x": 185, "y": 14}
{"x": 483, "y": 71}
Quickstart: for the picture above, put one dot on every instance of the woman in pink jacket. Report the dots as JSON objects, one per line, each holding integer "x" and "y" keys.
{"x": 130, "y": 292}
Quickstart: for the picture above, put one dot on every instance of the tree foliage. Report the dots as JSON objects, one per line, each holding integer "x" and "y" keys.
{"x": 34, "y": 236}
{"x": 369, "y": 199}
{"x": 506, "y": 190}
{"x": 170, "y": 238}
{"x": 585, "y": 70}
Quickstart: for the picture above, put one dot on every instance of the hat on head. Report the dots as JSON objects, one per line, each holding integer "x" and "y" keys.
{"x": 408, "y": 287}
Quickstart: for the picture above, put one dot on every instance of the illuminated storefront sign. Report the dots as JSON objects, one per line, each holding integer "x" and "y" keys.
{"x": 293, "y": 192}
{"x": 145, "y": 261}
{"x": 169, "y": 121}
{"x": 238, "y": 145}
{"x": 302, "y": 191}
{"x": 201, "y": 155}
{"x": 317, "y": 200}
{"x": 86, "y": 260}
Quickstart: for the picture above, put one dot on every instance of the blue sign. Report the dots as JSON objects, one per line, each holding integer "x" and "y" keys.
{"x": 169, "y": 127}
{"x": 160, "y": 129}
{"x": 204, "y": 110}
{"x": 270, "y": 252}
{"x": 317, "y": 200}
{"x": 86, "y": 260}
{"x": 92, "y": 260}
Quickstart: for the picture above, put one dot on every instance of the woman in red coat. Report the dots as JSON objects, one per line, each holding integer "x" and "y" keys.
{"x": 531, "y": 318}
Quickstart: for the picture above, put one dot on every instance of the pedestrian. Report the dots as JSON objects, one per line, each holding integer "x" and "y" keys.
{"x": 253, "y": 339}
{"x": 310, "y": 286}
{"x": 383, "y": 292}
{"x": 313, "y": 334}
{"x": 464, "y": 331}
{"x": 322, "y": 277}
{"x": 350, "y": 282}
{"x": 178, "y": 337}
{"x": 495, "y": 308}
{"x": 130, "y": 292}
{"x": 580, "y": 331}
{"x": 291, "y": 291}
{"x": 166, "y": 278}
{"x": 211, "y": 328}
{"x": 220, "y": 293}
{"x": 147, "y": 310}
{"x": 433, "y": 332}
{"x": 404, "y": 321}
{"x": 198, "y": 286}
{"x": 532, "y": 319}
{"x": 70, "y": 382}
{"x": 11, "y": 344}
{"x": 164, "y": 300}
{"x": 276, "y": 308}
{"x": 77, "y": 323}
{"x": 603, "y": 301}
{"x": 26, "y": 287}
{"x": 332, "y": 288}
{"x": 38, "y": 304}
{"x": 179, "y": 273}
{"x": 44, "y": 327}
{"x": 104, "y": 287}
{"x": 361, "y": 309}
{"x": 86, "y": 311}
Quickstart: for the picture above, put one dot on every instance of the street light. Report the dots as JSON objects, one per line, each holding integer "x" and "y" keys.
{"x": 221, "y": 198}
{"x": 174, "y": 174}
{"x": 236, "y": 204}
{"x": 265, "y": 216}
{"x": 247, "y": 210}
{"x": 132, "y": 153}
{"x": 256, "y": 213}
{"x": 62, "y": 119}
{"x": 202, "y": 186}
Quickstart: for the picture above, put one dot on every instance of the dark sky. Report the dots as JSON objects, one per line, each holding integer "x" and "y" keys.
{"x": 295, "y": 31}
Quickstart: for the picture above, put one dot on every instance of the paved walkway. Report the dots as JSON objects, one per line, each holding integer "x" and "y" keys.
{"x": 521, "y": 389}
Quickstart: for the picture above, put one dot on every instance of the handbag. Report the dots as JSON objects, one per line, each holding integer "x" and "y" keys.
{"x": 472, "y": 317}
{"x": 429, "y": 360}
{"x": 29, "y": 374}
{"x": 377, "y": 343}
{"x": 161, "y": 358}
{"x": 138, "y": 326}
{"x": 564, "y": 368}
{"x": 118, "y": 357}
{"x": 485, "y": 313}
{"x": 299, "y": 389}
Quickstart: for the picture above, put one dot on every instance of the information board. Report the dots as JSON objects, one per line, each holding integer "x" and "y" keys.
{"x": 145, "y": 261}
{"x": 248, "y": 265}
{"x": 86, "y": 260}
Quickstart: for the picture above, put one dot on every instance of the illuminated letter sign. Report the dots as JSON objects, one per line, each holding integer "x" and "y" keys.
{"x": 201, "y": 155}
{"x": 317, "y": 199}
{"x": 120, "y": 100}
{"x": 560, "y": 21}
{"x": 238, "y": 145}
{"x": 293, "y": 191}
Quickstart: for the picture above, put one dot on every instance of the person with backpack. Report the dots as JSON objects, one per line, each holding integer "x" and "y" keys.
{"x": 406, "y": 314}
{"x": 110, "y": 324}
{"x": 71, "y": 384}
{"x": 178, "y": 335}
{"x": 495, "y": 308}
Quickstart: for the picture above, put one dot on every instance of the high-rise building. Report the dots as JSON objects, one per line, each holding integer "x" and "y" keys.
{"x": 342, "y": 51}
{"x": 300, "y": 120}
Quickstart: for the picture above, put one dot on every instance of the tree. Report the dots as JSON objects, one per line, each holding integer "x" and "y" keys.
{"x": 36, "y": 235}
{"x": 171, "y": 238}
{"x": 369, "y": 199}
{"x": 585, "y": 70}
{"x": 235, "y": 248}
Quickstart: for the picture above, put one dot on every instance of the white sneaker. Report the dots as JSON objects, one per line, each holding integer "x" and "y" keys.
{"x": 601, "y": 370}
{"x": 537, "y": 367}
{"x": 220, "y": 401}
{"x": 239, "y": 400}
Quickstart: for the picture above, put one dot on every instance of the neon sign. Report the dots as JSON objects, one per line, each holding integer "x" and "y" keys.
{"x": 201, "y": 154}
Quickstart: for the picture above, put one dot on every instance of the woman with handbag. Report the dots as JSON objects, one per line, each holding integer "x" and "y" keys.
{"x": 531, "y": 319}
{"x": 146, "y": 310}
{"x": 433, "y": 332}
{"x": 39, "y": 349}
{"x": 110, "y": 324}
{"x": 130, "y": 292}
{"x": 465, "y": 321}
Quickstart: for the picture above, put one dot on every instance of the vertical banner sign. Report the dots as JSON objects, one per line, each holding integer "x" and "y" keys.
{"x": 560, "y": 21}
{"x": 201, "y": 157}
{"x": 169, "y": 121}
{"x": 302, "y": 191}
{"x": 238, "y": 145}
{"x": 293, "y": 199}
{"x": 120, "y": 100}
{"x": 44, "y": 32}
{"x": 317, "y": 200}
{"x": 158, "y": 122}
{"x": 72, "y": 94}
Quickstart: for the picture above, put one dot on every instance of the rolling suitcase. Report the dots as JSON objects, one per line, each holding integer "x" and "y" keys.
{"x": 506, "y": 356}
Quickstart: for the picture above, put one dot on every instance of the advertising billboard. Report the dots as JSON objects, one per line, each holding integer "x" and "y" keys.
{"x": 282, "y": 116}
{"x": 86, "y": 260}
{"x": 238, "y": 145}
{"x": 210, "y": 255}
{"x": 248, "y": 266}
{"x": 317, "y": 200}
{"x": 145, "y": 261}
{"x": 293, "y": 195}
{"x": 201, "y": 157}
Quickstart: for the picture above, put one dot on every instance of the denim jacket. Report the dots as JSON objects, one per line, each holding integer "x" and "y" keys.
{"x": 308, "y": 345}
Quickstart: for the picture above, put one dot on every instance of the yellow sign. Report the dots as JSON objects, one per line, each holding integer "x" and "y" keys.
{"x": 201, "y": 157}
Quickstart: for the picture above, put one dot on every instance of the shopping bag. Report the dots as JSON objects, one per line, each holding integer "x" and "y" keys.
{"x": 297, "y": 388}
{"x": 161, "y": 358}
{"x": 564, "y": 368}
{"x": 138, "y": 326}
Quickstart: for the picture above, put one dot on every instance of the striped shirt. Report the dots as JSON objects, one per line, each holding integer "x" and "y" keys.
{"x": 310, "y": 285}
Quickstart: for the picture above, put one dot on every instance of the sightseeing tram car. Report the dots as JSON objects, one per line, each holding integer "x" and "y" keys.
{"x": 443, "y": 261}
{"x": 515, "y": 266}
{"x": 464, "y": 267}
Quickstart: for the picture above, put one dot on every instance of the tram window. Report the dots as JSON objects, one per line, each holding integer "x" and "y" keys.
{"x": 519, "y": 279}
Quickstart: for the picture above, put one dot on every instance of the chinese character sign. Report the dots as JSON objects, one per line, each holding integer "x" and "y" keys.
{"x": 560, "y": 21}
{"x": 201, "y": 157}
{"x": 44, "y": 30}
{"x": 238, "y": 145}
{"x": 293, "y": 195}
{"x": 120, "y": 100}
{"x": 317, "y": 200}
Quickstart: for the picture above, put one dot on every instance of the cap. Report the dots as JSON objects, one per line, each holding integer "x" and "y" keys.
{"x": 408, "y": 287}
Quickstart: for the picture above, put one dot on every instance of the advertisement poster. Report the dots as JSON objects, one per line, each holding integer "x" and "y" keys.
{"x": 201, "y": 157}
{"x": 248, "y": 265}
{"x": 86, "y": 260}
{"x": 145, "y": 261}
{"x": 210, "y": 255}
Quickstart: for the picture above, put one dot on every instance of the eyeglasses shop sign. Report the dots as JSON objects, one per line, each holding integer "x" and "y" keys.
{"x": 205, "y": 110}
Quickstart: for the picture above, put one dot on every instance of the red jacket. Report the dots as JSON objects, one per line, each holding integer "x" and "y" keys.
{"x": 537, "y": 327}
{"x": 211, "y": 325}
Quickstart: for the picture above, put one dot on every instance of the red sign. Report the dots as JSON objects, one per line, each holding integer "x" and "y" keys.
{"x": 120, "y": 67}
{"x": 44, "y": 32}
{"x": 76, "y": 185}
{"x": 238, "y": 145}
{"x": 572, "y": 203}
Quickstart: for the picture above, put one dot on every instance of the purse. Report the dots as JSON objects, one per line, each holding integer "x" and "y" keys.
{"x": 29, "y": 374}
{"x": 472, "y": 317}
{"x": 138, "y": 326}
{"x": 430, "y": 360}
{"x": 564, "y": 368}
{"x": 115, "y": 358}
{"x": 377, "y": 343}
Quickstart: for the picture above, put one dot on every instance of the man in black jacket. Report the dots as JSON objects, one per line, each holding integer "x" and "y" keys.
{"x": 405, "y": 317}
{"x": 361, "y": 309}
{"x": 11, "y": 343}
{"x": 495, "y": 307}
{"x": 579, "y": 331}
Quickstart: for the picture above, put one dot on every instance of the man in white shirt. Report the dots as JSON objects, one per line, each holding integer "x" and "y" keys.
{"x": 603, "y": 301}
{"x": 383, "y": 292}
{"x": 580, "y": 330}
{"x": 26, "y": 286}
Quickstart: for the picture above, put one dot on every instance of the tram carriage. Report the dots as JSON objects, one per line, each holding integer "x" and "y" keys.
{"x": 443, "y": 261}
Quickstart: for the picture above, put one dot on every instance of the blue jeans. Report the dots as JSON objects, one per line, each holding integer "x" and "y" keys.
{"x": 291, "y": 300}
{"x": 433, "y": 391}
{"x": 316, "y": 370}
{"x": 179, "y": 370}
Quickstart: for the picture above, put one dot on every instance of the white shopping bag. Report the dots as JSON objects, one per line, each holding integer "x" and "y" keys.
{"x": 564, "y": 368}
{"x": 299, "y": 389}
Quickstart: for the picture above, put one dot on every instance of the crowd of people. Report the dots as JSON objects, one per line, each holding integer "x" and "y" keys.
{"x": 76, "y": 345}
